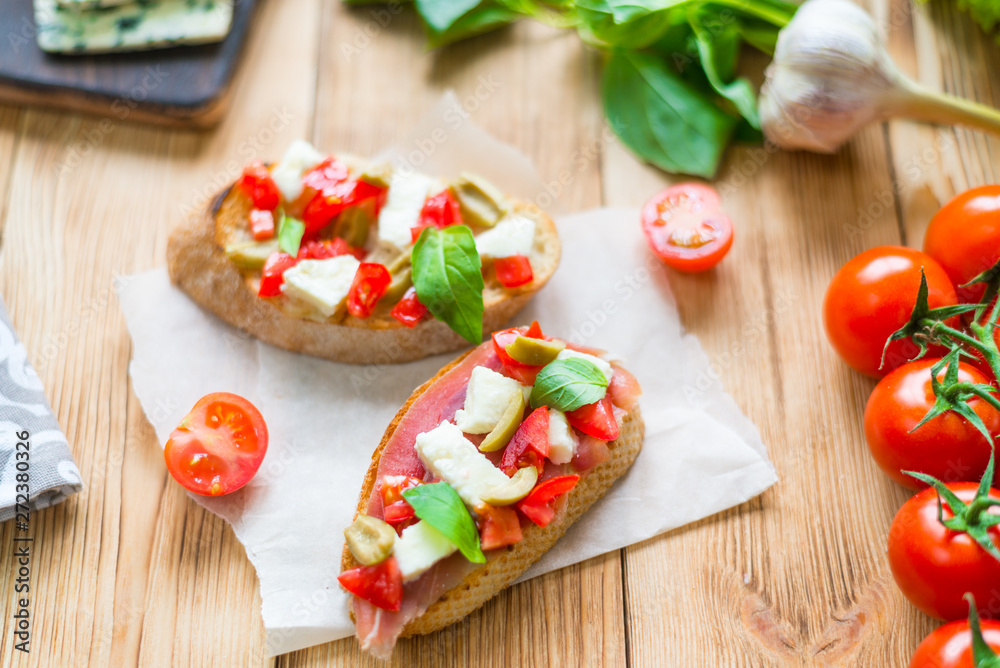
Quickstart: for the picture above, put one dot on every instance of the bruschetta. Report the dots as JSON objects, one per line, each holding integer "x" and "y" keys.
{"x": 479, "y": 474}
{"x": 359, "y": 262}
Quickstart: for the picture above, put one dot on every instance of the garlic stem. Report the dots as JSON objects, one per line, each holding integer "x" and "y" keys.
{"x": 912, "y": 100}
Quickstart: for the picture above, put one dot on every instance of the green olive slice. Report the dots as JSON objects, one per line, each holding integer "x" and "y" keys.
{"x": 251, "y": 254}
{"x": 370, "y": 539}
{"x": 480, "y": 201}
{"x": 515, "y": 489}
{"x": 401, "y": 282}
{"x": 535, "y": 352}
{"x": 501, "y": 434}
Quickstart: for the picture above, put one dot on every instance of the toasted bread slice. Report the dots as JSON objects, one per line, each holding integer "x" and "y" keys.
{"x": 501, "y": 570}
{"x": 198, "y": 264}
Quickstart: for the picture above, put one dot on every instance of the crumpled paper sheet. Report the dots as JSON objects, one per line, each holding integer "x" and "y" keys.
{"x": 701, "y": 454}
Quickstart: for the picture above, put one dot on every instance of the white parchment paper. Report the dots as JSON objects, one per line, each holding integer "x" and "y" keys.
{"x": 701, "y": 454}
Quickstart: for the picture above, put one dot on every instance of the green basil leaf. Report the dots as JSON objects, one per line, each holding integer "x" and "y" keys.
{"x": 440, "y": 506}
{"x": 719, "y": 47}
{"x": 568, "y": 384}
{"x": 439, "y": 15}
{"x": 662, "y": 118}
{"x": 448, "y": 277}
{"x": 483, "y": 18}
{"x": 290, "y": 231}
{"x": 626, "y": 23}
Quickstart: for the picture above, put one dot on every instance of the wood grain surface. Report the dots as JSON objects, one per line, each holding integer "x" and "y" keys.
{"x": 132, "y": 572}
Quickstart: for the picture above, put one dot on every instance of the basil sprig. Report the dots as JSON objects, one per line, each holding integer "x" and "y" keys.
{"x": 290, "y": 231}
{"x": 440, "y": 506}
{"x": 568, "y": 384}
{"x": 671, "y": 86}
{"x": 448, "y": 277}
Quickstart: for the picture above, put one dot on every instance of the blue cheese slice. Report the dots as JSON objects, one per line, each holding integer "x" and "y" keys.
{"x": 81, "y": 5}
{"x": 131, "y": 27}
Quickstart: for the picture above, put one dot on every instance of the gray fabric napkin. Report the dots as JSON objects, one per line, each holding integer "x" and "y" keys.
{"x": 33, "y": 449}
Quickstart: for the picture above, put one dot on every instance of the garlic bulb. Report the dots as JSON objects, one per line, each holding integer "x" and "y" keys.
{"x": 831, "y": 76}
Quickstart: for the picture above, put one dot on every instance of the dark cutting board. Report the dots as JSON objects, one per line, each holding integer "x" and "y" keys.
{"x": 186, "y": 86}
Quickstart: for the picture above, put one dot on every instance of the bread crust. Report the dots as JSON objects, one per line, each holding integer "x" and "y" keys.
{"x": 198, "y": 264}
{"x": 503, "y": 569}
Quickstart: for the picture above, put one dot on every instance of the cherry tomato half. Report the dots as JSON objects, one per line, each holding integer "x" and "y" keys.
{"x": 218, "y": 447}
{"x": 935, "y": 566}
{"x": 871, "y": 297}
{"x": 950, "y": 646}
{"x": 964, "y": 237}
{"x": 947, "y": 447}
{"x": 686, "y": 227}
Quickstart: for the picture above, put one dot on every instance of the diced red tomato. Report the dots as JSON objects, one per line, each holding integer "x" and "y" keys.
{"x": 596, "y": 419}
{"x": 274, "y": 269}
{"x": 399, "y": 514}
{"x": 381, "y": 584}
{"x": 538, "y": 506}
{"x": 534, "y": 331}
{"x": 438, "y": 211}
{"x": 334, "y": 193}
{"x": 262, "y": 224}
{"x": 322, "y": 250}
{"x": 513, "y": 271}
{"x": 393, "y": 486}
{"x": 370, "y": 283}
{"x": 257, "y": 184}
{"x": 326, "y": 174}
{"x": 499, "y": 526}
{"x": 327, "y": 205}
{"x": 624, "y": 389}
{"x": 409, "y": 310}
{"x": 531, "y": 436}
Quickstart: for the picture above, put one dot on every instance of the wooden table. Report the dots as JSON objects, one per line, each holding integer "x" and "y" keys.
{"x": 132, "y": 572}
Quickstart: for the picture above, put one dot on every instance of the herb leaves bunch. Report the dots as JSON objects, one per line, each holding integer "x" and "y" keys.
{"x": 670, "y": 88}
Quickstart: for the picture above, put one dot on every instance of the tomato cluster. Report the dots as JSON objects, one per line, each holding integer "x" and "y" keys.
{"x": 924, "y": 323}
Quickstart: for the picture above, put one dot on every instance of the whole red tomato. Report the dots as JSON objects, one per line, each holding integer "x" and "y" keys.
{"x": 947, "y": 447}
{"x": 935, "y": 566}
{"x": 872, "y": 296}
{"x": 950, "y": 646}
{"x": 964, "y": 237}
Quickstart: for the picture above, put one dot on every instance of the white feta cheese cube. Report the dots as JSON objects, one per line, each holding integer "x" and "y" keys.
{"x": 406, "y": 197}
{"x": 513, "y": 235}
{"x": 449, "y": 455}
{"x": 562, "y": 441}
{"x": 486, "y": 399}
{"x": 323, "y": 284}
{"x": 419, "y": 547}
{"x": 287, "y": 174}
{"x": 603, "y": 365}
